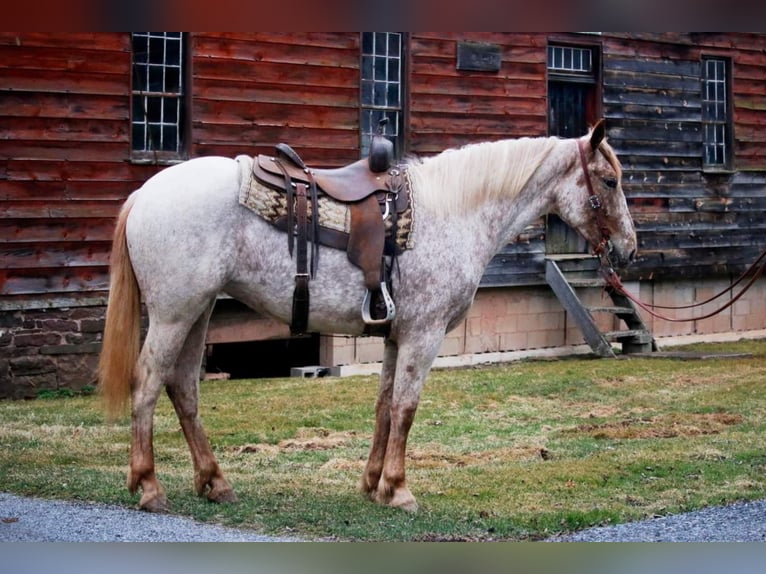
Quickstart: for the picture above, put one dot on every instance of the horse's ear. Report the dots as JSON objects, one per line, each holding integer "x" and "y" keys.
{"x": 598, "y": 134}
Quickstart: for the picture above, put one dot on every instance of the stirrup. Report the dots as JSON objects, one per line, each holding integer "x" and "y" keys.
{"x": 390, "y": 307}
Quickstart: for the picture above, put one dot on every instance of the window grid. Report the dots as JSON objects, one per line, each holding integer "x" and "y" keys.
{"x": 715, "y": 113}
{"x": 569, "y": 59}
{"x": 158, "y": 89}
{"x": 381, "y": 86}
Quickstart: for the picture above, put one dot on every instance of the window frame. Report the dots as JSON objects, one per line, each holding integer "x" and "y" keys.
{"x": 727, "y": 141}
{"x": 395, "y": 130}
{"x": 182, "y": 95}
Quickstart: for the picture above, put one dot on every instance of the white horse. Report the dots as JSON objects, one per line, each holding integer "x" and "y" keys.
{"x": 183, "y": 238}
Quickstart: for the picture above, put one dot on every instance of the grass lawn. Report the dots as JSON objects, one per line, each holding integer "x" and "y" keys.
{"x": 517, "y": 451}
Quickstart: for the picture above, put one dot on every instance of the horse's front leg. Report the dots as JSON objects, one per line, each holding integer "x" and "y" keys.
{"x": 374, "y": 467}
{"x": 413, "y": 363}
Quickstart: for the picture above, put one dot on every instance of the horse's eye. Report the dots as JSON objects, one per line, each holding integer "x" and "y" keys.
{"x": 610, "y": 182}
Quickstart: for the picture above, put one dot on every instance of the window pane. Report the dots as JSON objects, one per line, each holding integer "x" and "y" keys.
{"x": 138, "y": 108}
{"x": 393, "y": 70}
{"x": 367, "y": 68}
{"x": 169, "y": 134}
{"x": 379, "y": 94}
{"x": 169, "y": 110}
{"x": 154, "y": 137}
{"x": 380, "y": 69}
{"x": 156, "y": 74}
{"x": 366, "y": 93}
{"x": 394, "y": 45}
{"x": 380, "y": 43}
{"x": 172, "y": 80}
{"x": 153, "y": 109}
{"x": 393, "y": 95}
{"x": 140, "y": 48}
{"x": 138, "y": 136}
{"x": 173, "y": 56}
{"x": 367, "y": 42}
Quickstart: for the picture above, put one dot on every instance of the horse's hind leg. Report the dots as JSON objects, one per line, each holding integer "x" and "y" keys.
{"x": 155, "y": 363}
{"x": 183, "y": 392}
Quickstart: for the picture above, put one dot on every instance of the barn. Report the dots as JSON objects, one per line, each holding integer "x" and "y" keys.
{"x": 85, "y": 118}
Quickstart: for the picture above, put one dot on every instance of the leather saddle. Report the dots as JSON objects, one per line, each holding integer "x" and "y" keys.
{"x": 372, "y": 189}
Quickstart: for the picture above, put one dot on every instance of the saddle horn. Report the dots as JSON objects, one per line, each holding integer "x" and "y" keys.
{"x": 381, "y": 149}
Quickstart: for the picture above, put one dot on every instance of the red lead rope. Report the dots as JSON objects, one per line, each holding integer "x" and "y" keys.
{"x": 757, "y": 268}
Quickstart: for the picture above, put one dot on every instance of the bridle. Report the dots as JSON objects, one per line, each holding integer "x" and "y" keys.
{"x": 604, "y": 246}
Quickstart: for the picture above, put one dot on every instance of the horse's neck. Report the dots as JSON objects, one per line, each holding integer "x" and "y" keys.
{"x": 501, "y": 217}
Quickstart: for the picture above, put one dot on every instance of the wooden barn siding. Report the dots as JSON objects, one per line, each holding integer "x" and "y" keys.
{"x": 255, "y": 90}
{"x": 64, "y": 136}
{"x": 65, "y": 165}
{"x": 64, "y": 152}
{"x": 451, "y": 107}
{"x": 689, "y": 223}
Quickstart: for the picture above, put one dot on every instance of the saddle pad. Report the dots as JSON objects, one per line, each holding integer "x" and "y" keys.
{"x": 271, "y": 205}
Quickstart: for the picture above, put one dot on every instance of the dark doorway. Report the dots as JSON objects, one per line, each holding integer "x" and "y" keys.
{"x": 262, "y": 359}
{"x": 573, "y": 106}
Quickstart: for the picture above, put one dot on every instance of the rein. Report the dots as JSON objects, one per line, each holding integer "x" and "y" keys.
{"x": 594, "y": 200}
{"x": 757, "y": 269}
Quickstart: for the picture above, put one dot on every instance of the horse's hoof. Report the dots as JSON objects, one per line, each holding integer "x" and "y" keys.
{"x": 404, "y": 500}
{"x": 156, "y": 504}
{"x": 222, "y": 495}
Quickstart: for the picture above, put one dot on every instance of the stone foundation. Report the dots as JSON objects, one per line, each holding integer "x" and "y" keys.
{"x": 49, "y": 350}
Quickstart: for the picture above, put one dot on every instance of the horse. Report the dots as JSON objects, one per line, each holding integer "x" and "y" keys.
{"x": 183, "y": 238}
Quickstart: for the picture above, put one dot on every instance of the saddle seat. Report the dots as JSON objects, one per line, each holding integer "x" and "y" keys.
{"x": 346, "y": 184}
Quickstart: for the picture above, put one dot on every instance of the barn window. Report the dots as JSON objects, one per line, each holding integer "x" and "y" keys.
{"x": 158, "y": 96}
{"x": 381, "y": 90}
{"x": 716, "y": 113}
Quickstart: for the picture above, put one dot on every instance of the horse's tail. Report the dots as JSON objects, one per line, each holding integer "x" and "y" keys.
{"x": 122, "y": 335}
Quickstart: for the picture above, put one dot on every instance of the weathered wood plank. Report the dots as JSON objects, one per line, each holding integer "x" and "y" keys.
{"x": 53, "y": 280}
{"x": 64, "y": 105}
{"x": 55, "y": 255}
{"x": 43, "y": 231}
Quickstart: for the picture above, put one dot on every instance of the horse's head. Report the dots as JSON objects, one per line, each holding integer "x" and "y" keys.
{"x": 593, "y": 202}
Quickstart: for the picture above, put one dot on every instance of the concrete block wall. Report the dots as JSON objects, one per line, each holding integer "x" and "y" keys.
{"x": 527, "y": 318}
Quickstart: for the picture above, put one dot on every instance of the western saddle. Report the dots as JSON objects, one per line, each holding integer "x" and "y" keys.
{"x": 374, "y": 192}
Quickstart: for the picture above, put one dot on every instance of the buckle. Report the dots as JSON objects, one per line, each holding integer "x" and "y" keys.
{"x": 595, "y": 201}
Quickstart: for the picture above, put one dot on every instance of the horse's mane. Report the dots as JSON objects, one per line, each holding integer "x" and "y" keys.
{"x": 457, "y": 180}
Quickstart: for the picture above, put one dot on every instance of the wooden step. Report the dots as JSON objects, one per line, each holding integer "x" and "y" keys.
{"x": 584, "y": 281}
{"x": 637, "y": 335}
{"x": 613, "y": 310}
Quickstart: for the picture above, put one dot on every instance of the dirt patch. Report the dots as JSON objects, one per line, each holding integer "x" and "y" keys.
{"x": 664, "y": 426}
{"x": 305, "y": 439}
{"x": 436, "y": 458}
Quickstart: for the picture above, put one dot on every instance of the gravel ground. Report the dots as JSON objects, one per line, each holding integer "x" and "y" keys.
{"x": 739, "y": 522}
{"x": 36, "y": 520}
